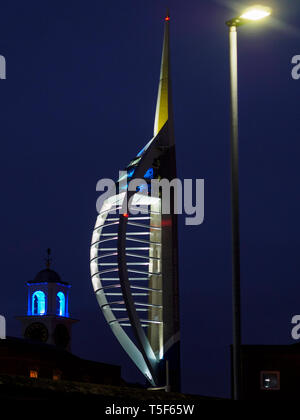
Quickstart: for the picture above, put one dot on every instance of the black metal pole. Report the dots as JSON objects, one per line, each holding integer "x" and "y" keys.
{"x": 236, "y": 289}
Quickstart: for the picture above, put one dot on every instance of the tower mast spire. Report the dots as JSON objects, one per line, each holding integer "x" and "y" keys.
{"x": 164, "y": 102}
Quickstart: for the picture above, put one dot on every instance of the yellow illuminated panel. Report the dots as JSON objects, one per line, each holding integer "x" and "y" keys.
{"x": 162, "y": 106}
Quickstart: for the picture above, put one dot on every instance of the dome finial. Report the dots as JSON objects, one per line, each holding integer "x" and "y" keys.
{"x": 48, "y": 259}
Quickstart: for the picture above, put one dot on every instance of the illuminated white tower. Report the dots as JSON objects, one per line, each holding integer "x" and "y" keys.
{"x": 134, "y": 257}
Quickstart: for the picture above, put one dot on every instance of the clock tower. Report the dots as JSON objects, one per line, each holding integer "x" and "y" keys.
{"x": 48, "y": 320}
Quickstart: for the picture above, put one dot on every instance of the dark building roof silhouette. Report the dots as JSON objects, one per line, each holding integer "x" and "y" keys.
{"x": 19, "y": 356}
{"x": 47, "y": 276}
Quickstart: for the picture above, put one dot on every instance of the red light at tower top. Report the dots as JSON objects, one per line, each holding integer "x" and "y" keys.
{"x": 167, "y": 18}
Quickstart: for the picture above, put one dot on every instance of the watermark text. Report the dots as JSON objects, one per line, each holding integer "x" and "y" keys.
{"x": 2, "y": 328}
{"x": 296, "y": 68}
{"x": 176, "y": 196}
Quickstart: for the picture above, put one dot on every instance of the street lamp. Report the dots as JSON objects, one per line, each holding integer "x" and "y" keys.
{"x": 254, "y": 13}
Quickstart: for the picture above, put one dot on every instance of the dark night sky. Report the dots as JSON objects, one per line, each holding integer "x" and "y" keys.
{"x": 77, "y": 105}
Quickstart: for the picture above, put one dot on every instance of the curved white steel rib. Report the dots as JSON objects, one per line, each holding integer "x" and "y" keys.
{"x": 103, "y": 285}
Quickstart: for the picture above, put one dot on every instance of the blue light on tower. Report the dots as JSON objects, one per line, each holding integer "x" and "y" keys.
{"x": 149, "y": 174}
{"x": 61, "y": 304}
{"x": 38, "y": 303}
{"x": 47, "y": 320}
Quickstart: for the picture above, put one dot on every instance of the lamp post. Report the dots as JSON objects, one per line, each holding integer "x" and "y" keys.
{"x": 252, "y": 14}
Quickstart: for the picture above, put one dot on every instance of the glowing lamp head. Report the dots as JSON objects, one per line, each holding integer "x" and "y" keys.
{"x": 167, "y": 18}
{"x": 256, "y": 13}
{"x": 126, "y": 215}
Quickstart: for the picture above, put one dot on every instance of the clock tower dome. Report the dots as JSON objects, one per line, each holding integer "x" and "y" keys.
{"x": 48, "y": 318}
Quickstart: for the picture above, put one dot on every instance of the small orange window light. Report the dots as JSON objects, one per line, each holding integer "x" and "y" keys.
{"x": 33, "y": 373}
{"x": 56, "y": 375}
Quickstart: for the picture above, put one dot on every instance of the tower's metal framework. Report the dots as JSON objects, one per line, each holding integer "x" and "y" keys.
{"x": 134, "y": 257}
